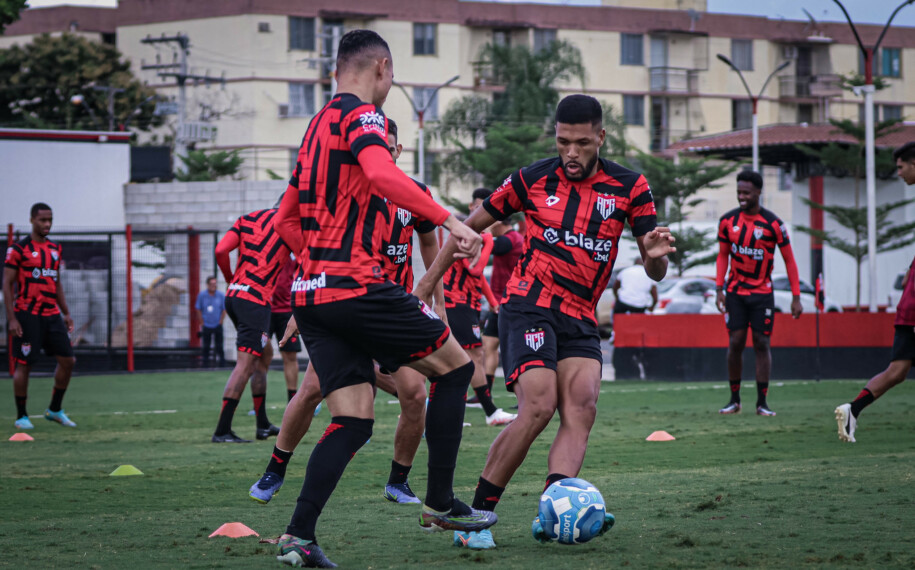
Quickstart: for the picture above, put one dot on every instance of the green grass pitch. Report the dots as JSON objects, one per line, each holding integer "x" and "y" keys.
{"x": 731, "y": 491}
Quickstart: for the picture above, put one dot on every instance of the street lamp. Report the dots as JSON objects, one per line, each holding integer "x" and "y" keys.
{"x": 137, "y": 111}
{"x": 80, "y": 100}
{"x": 755, "y": 99}
{"x": 421, "y": 114}
{"x": 869, "y": 160}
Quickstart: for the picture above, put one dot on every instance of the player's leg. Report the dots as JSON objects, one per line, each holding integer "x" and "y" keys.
{"x": 56, "y": 343}
{"x": 264, "y": 428}
{"x": 762, "y": 310}
{"x": 289, "y": 351}
{"x": 25, "y": 353}
{"x": 737, "y": 320}
{"x": 579, "y": 387}
{"x": 21, "y": 394}
{"x": 411, "y": 392}
{"x": 235, "y": 386}
{"x": 491, "y": 347}
{"x": 290, "y": 372}
{"x": 494, "y": 416}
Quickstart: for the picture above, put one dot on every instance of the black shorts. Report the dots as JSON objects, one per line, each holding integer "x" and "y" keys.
{"x": 755, "y": 310}
{"x": 40, "y": 333}
{"x": 385, "y": 324}
{"x": 904, "y": 343}
{"x": 535, "y": 337}
{"x": 278, "y": 329}
{"x": 252, "y": 323}
{"x": 491, "y": 328}
{"x": 465, "y": 326}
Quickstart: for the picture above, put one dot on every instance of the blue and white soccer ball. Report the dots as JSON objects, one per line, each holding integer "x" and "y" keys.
{"x": 572, "y": 511}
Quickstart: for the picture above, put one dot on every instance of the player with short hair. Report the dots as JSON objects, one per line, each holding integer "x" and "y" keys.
{"x": 347, "y": 310}
{"x": 280, "y": 313}
{"x": 35, "y": 301}
{"x": 261, "y": 255}
{"x": 904, "y": 339}
{"x": 576, "y": 206}
{"x": 747, "y": 237}
{"x": 408, "y": 385}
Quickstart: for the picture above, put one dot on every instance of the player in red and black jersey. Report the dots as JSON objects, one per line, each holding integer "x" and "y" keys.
{"x": 34, "y": 302}
{"x": 280, "y": 313}
{"x": 575, "y": 205}
{"x": 347, "y": 311}
{"x": 261, "y": 257}
{"x": 903, "y": 355}
{"x": 747, "y": 237}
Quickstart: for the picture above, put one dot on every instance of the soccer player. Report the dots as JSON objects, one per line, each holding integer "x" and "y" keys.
{"x": 33, "y": 314}
{"x": 280, "y": 313}
{"x": 576, "y": 205}
{"x": 904, "y": 339}
{"x": 408, "y": 385}
{"x": 261, "y": 255}
{"x": 211, "y": 310}
{"x": 464, "y": 285}
{"x": 747, "y": 237}
{"x": 348, "y": 312}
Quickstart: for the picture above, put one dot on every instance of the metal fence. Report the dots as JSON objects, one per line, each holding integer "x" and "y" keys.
{"x": 131, "y": 295}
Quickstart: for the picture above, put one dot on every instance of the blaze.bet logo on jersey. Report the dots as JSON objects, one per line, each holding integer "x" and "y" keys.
{"x": 534, "y": 338}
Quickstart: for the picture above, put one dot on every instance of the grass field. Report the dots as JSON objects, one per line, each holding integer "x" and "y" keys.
{"x": 730, "y": 491}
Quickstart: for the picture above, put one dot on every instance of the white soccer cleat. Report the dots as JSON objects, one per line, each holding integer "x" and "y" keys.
{"x": 847, "y": 423}
{"x": 500, "y": 418}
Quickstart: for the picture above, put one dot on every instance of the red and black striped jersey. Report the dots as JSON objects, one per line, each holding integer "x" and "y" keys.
{"x": 573, "y": 231}
{"x": 397, "y": 246}
{"x": 261, "y": 256}
{"x": 752, "y": 240}
{"x": 462, "y": 288}
{"x": 37, "y": 268}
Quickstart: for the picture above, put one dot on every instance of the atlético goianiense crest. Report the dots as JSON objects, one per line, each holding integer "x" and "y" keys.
{"x": 605, "y": 205}
{"x": 264, "y": 339}
{"x": 758, "y": 233}
{"x": 26, "y": 349}
{"x": 404, "y": 216}
{"x": 534, "y": 338}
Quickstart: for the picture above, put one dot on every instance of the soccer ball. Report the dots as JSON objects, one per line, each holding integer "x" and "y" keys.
{"x": 571, "y": 511}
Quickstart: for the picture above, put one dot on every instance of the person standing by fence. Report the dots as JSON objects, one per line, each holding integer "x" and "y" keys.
{"x": 211, "y": 310}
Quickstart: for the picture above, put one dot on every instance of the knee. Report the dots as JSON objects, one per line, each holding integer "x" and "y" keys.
{"x": 67, "y": 363}
{"x": 582, "y": 413}
{"x": 412, "y": 403}
{"x": 537, "y": 413}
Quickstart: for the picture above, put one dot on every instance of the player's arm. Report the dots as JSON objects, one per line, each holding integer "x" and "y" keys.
{"x": 229, "y": 242}
{"x": 721, "y": 268}
{"x": 9, "y": 280}
{"x": 62, "y": 303}
{"x": 477, "y": 268}
{"x": 428, "y": 249}
{"x": 654, "y": 247}
{"x": 490, "y": 298}
{"x": 793, "y": 280}
{"x": 654, "y": 297}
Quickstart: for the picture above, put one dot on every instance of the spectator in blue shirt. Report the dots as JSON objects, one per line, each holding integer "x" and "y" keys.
{"x": 211, "y": 310}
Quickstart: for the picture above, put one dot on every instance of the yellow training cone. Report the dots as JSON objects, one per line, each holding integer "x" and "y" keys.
{"x": 125, "y": 470}
{"x": 660, "y": 436}
{"x": 233, "y": 530}
{"x": 22, "y": 437}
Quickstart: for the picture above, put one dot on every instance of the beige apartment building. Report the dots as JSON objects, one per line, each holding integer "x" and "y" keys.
{"x": 653, "y": 60}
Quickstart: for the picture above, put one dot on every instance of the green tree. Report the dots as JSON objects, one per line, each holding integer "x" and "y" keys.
{"x": 674, "y": 187}
{"x": 9, "y": 12}
{"x": 201, "y": 166}
{"x": 39, "y": 80}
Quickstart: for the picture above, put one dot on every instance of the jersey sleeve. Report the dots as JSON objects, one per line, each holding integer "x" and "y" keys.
{"x": 13, "y": 257}
{"x": 364, "y": 126}
{"x": 422, "y": 225}
{"x": 643, "y": 217}
{"x": 508, "y": 198}
{"x": 781, "y": 233}
{"x": 723, "y": 231}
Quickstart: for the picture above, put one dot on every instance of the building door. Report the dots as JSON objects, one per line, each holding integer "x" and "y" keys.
{"x": 659, "y": 123}
{"x": 803, "y": 70}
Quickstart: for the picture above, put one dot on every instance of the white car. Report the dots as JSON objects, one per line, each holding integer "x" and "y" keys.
{"x": 781, "y": 290}
{"x": 684, "y": 295}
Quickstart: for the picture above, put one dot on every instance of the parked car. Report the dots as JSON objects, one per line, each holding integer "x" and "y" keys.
{"x": 896, "y": 293}
{"x": 604, "y": 310}
{"x": 684, "y": 295}
{"x": 782, "y": 290}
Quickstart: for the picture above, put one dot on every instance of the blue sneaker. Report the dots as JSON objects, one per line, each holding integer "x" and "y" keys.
{"x": 23, "y": 423}
{"x": 266, "y": 487}
{"x": 400, "y": 493}
{"x": 460, "y": 517}
{"x": 318, "y": 409}
{"x": 474, "y": 540}
{"x": 537, "y": 531}
{"x": 609, "y": 521}
{"x": 59, "y": 417}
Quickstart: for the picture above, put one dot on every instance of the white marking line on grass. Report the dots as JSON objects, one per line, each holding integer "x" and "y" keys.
{"x": 146, "y": 412}
{"x": 714, "y": 386}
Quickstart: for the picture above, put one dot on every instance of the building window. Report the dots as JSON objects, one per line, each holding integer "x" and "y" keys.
{"x": 741, "y": 114}
{"x": 328, "y": 45}
{"x": 890, "y": 62}
{"x": 892, "y": 112}
{"x": 327, "y": 94}
{"x": 432, "y": 173}
{"x": 742, "y": 54}
{"x": 422, "y": 96}
{"x": 301, "y": 33}
{"x": 543, "y": 39}
{"x": 805, "y": 113}
{"x": 301, "y": 99}
{"x": 634, "y": 109}
{"x": 631, "y": 52}
{"x": 424, "y": 39}
{"x": 502, "y": 37}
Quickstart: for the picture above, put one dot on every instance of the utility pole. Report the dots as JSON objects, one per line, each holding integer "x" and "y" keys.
{"x": 421, "y": 115}
{"x": 110, "y": 92}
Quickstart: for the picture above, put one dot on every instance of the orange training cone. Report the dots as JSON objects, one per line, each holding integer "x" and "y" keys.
{"x": 233, "y": 530}
{"x": 22, "y": 437}
{"x": 660, "y": 436}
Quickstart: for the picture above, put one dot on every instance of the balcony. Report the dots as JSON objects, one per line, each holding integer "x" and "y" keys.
{"x": 485, "y": 76}
{"x": 809, "y": 86}
{"x": 673, "y": 80}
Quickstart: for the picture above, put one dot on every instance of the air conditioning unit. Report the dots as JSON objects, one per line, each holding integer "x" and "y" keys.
{"x": 283, "y": 110}
{"x": 789, "y": 52}
{"x": 263, "y": 27}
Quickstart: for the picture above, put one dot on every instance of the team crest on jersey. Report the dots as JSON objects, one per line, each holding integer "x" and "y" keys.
{"x": 54, "y": 255}
{"x": 605, "y": 205}
{"x": 427, "y": 310}
{"x": 758, "y": 233}
{"x": 264, "y": 339}
{"x": 736, "y": 228}
{"x": 534, "y": 338}
{"x": 476, "y": 331}
{"x": 26, "y": 349}
{"x": 404, "y": 216}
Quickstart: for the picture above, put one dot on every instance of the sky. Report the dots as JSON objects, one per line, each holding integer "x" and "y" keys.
{"x": 861, "y": 11}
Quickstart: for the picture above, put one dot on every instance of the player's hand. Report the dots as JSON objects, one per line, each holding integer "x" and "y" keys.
{"x": 719, "y": 302}
{"x": 291, "y": 331}
{"x": 495, "y": 309}
{"x": 796, "y": 307}
{"x": 659, "y": 242}
{"x": 69, "y": 322}
{"x": 15, "y": 327}
{"x": 468, "y": 241}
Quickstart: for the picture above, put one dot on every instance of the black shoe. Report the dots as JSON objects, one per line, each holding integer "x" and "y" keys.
{"x": 297, "y": 552}
{"x": 228, "y": 438}
{"x": 264, "y": 433}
